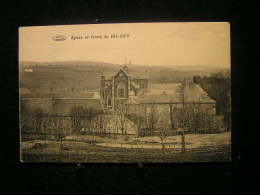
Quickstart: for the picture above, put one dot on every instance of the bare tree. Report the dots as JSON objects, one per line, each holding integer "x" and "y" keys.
{"x": 139, "y": 120}
{"x": 24, "y": 116}
{"x": 171, "y": 116}
{"x": 193, "y": 115}
{"x": 82, "y": 117}
{"x": 44, "y": 128}
{"x": 37, "y": 119}
{"x": 163, "y": 136}
{"x": 76, "y": 114}
{"x": 184, "y": 115}
{"x": 183, "y": 142}
{"x": 201, "y": 116}
{"x": 121, "y": 112}
{"x": 152, "y": 118}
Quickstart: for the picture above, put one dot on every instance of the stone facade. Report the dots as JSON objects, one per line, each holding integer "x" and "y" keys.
{"x": 120, "y": 88}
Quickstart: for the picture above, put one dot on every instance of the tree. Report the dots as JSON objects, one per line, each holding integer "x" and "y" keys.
{"x": 193, "y": 115}
{"x": 138, "y": 119}
{"x": 152, "y": 118}
{"x": 183, "y": 142}
{"x": 61, "y": 132}
{"x": 184, "y": 115}
{"x": 81, "y": 116}
{"x": 76, "y": 113}
{"x": 163, "y": 133}
{"x": 227, "y": 112}
{"x": 218, "y": 88}
{"x": 23, "y": 114}
{"x": 45, "y": 124}
{"x": 37, "y": 119}
{"x": 121, "y": 112}
{"x": 171, "y": 116}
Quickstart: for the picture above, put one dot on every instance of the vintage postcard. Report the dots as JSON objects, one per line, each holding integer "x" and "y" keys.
{"x": 125, "y": 93}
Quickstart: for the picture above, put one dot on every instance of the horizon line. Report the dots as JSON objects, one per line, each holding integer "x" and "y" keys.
{"x": 132, "y": 64}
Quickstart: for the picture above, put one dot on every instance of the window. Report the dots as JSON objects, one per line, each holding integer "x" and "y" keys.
{"x": 121, "y": 92}
{"x": 141, "y": 85}
{"x": 109, "y": 102}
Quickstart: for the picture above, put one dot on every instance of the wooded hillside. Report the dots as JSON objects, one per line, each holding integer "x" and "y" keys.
{"x": 83, "y": 76}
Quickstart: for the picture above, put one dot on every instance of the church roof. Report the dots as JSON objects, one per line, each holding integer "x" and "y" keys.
{"x": 109, "y": 75}
{"x": 133, "y": 74}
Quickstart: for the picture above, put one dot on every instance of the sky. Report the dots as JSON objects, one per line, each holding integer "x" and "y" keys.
{"x": 189, "y": 44}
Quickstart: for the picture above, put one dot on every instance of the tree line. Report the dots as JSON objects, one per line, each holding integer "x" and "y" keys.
{"x": 37, "y": 121}
{"x": 218, "y": 87}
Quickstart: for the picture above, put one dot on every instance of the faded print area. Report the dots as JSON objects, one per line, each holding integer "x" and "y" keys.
{"x": 133, "y": 92}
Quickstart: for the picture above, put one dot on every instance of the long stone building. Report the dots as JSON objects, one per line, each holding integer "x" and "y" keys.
{"x": 166, "y": 101}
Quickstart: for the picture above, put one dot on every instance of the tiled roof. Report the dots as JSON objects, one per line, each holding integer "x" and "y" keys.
{"x": 158, "y": 98}
{"x": 60, "y": 95}
{"x": 196, "y": 93}
{"x": 172, "y": 93}
{"x": 165, "y": 86}
{"x": 172, "y": 88}
{"x": 64, "y": 105}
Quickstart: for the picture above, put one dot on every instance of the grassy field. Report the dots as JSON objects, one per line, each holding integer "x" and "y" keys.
{"x": 218, "y": 151}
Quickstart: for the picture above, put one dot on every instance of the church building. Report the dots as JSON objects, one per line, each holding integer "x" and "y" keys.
{"x": 120, "y": 88}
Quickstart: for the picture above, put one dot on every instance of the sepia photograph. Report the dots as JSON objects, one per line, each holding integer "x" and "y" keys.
{"x": 125, "y": 93}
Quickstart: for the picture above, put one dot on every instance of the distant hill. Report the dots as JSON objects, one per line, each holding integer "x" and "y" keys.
{"x": 80, "y": 76}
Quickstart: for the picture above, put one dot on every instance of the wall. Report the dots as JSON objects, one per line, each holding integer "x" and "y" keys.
{"x": 197, "y": 115}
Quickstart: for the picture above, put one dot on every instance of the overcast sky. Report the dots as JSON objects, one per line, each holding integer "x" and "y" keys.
{"x": 148, "y": 43}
